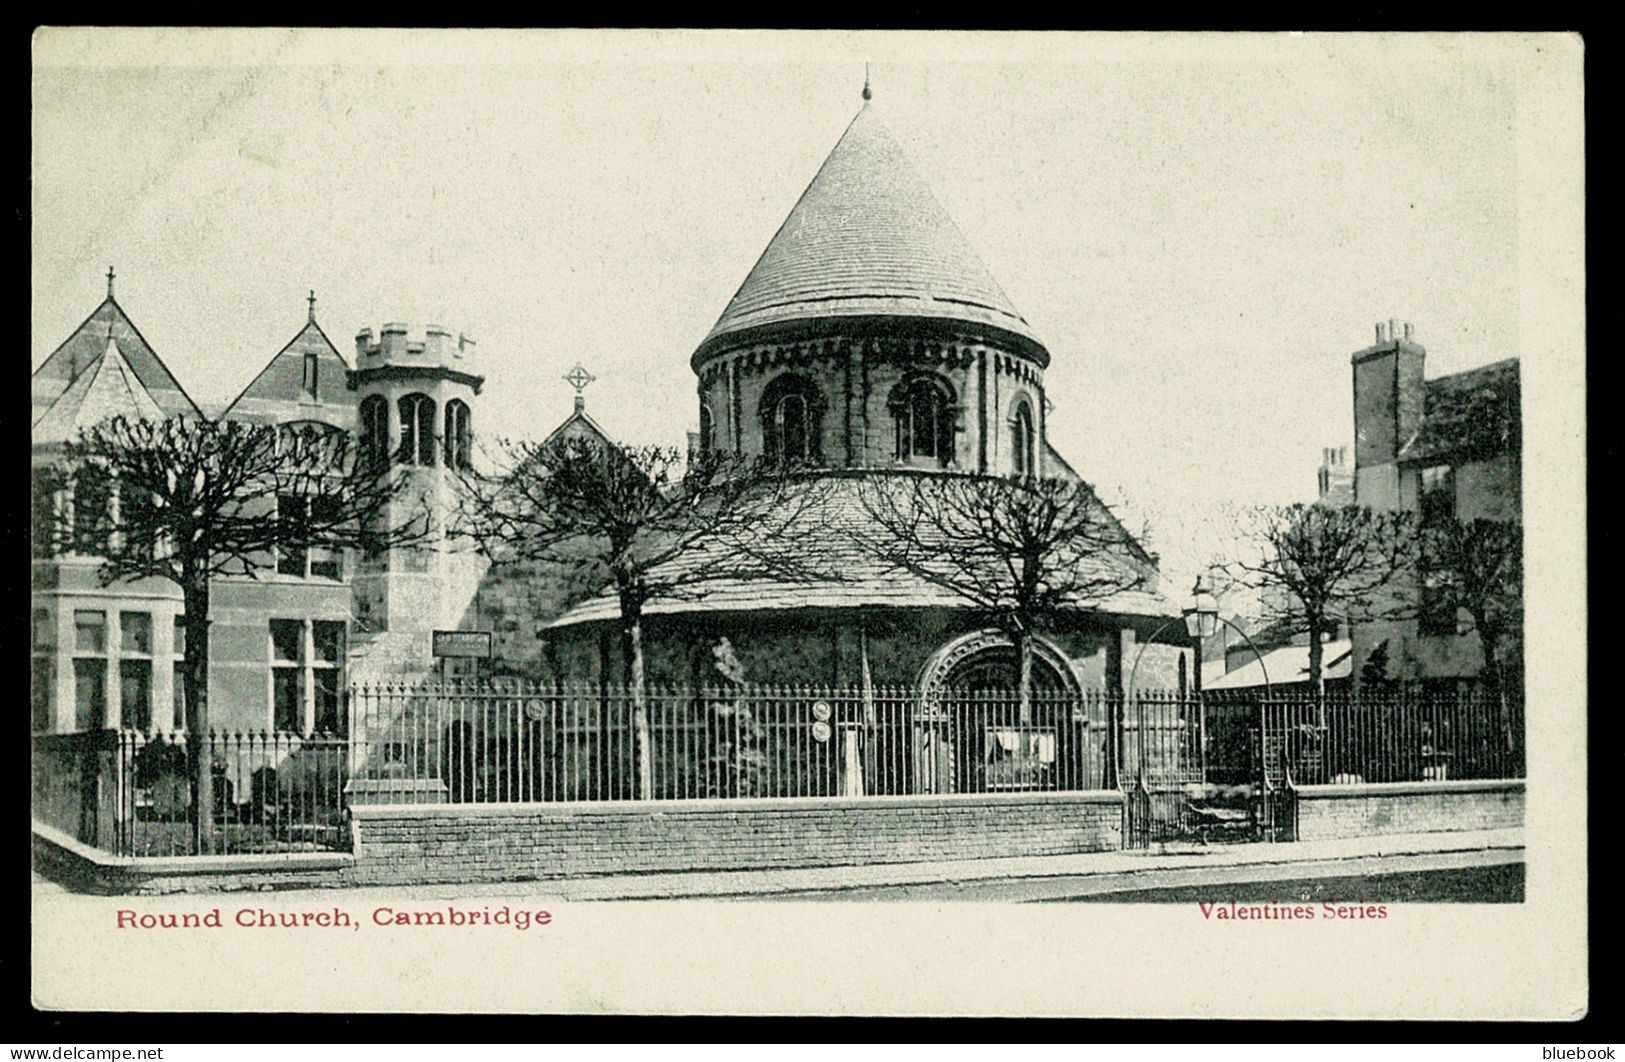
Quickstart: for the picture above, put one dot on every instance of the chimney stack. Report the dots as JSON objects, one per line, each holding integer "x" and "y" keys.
{"x": 1407, "y": 330}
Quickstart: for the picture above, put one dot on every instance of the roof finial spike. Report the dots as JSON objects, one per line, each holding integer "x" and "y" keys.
{"x": 110, "y": 282}
{"x": 867, "y": 93}
{"x": 312, "y": 300}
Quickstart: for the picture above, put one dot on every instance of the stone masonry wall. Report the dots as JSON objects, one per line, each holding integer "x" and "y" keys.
{"x": 429, "y": 843}
{"x": 1332, "y": 811}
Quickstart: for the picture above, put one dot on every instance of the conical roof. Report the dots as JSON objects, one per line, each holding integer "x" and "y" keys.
{"x": 867, "y": 238}
{"x": 107, "y": 388}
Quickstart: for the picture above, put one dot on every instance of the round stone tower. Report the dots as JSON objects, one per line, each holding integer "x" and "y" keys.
{"x": 869, "y": 335}
{"x": 415, "y": 410}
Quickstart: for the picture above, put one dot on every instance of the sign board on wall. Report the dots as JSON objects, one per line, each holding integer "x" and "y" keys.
{"x": 472, "y": 644}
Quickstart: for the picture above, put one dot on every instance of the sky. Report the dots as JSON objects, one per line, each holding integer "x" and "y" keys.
{"x": 1201, "y": 228}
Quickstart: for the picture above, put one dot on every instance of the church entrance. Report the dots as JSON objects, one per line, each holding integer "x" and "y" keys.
{"x": 972, "y": 733}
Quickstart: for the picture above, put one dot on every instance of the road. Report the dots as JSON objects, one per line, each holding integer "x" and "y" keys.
{"x": 1445, "y": 877}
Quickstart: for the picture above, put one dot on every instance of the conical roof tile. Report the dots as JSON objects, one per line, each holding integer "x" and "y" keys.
{"x": 867, "y": 238}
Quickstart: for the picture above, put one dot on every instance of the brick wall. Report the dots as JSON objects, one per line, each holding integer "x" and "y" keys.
{"x": 1330, "y": 811}
{"x": 425, "y": 843}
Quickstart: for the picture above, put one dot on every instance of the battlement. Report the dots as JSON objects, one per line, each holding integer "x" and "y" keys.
{"x": 396, "y": 345}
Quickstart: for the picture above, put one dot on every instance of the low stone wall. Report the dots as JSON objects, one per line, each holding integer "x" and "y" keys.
{"x": 496, "y": 842}
{"x": 403, "y": 844}
{"x": 1332, "y": 811}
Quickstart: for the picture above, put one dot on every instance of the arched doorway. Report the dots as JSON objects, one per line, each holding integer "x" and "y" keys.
{"x": 972, "y": 734}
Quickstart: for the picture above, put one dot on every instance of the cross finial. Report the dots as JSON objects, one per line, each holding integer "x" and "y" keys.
{"x": 110, "y": 282}
{"x": 312, "y": 300}
{"x": 579, "y": 378}
{"x": 867, "y": 94}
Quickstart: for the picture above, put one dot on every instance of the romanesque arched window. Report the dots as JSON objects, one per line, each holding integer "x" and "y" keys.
{"x": 792, "y": 420}
{"x": 705, "y": 429}
{"x": 375, "y": 430}
{"x": 1023, "y": 440}
{"x": 457, "y": 434}
{"x": 417, "y": 430}
{"x": 922, "y": 410}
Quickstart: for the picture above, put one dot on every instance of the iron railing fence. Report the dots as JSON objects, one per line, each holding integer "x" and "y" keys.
{"x": 130, "y": 793}
{"x": 1192, "y": 763}
{"x": 1403, "y": 736}
{"x": 465, "y": 743}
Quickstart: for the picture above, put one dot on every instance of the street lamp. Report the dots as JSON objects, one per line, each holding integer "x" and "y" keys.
{"x": 1202, "y": 620}
{"x": 1202, "y": 615}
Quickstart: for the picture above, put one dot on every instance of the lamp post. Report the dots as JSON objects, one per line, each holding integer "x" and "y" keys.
{"x": 1201, "y": 618}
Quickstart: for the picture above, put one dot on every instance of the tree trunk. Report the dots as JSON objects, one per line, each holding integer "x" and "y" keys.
{"x": 1317, "y": 655}
{"x": 1024, "y": 675}
{"x": 632, "y": 645}
{"x": 195, "y": 681}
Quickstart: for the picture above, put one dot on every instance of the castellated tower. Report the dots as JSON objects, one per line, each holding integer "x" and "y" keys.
{"x": 415, "y": 410}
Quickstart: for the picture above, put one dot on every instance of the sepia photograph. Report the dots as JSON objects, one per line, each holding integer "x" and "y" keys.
{"x": 642, "y": 507}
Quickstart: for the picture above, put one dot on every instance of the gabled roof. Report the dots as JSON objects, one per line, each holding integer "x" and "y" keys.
{"x": 107, "y": 388}
{"x": 1469, "y": 414}
{"x": 867, "y": 238}
{"x": 87, "y": 343}
{"x": 578, "y": 425}
{"x": 277, "y": 393}
{"x": 832, "y": 529}
{"x": 1287, "y": 665}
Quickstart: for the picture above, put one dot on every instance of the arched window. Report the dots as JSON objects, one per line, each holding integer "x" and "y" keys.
{"x": 375, "y": 430}
{"x": 792, "y": 420}
{"x": 1023, "y": 440}
{"x": 457, "y": 434}
{"x": 921, "y": 408}
{"x": 705, "y": 428}
{"x": 417, "y": 430}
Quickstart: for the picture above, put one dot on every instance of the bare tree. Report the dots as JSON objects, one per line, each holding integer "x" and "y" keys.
{"x": 1318, "y": 566}
{"x": 649, "y": 523}
{"x": 196, "y": 500}
{"x": 1482, "y": 561}
{"x": 1020, "y": 551}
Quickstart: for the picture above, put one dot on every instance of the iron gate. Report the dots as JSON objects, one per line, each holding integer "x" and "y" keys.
{"x": 1204, "y": 771}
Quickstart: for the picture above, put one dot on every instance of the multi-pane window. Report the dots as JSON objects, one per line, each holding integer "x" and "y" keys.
{"x": 43, "y": 522}
{"x": 92, "y": 510}
{"x": 457, "y": 437}
{"x": 135, "y": 670}
{"x": 417, "y": 430}
{"x": 327, "y": 674}
{"x": 288, "y": 674}
{"x": 1437, "y": 499}
{"x": 178, "y": 671}
{"x": 89, "y": 669}
{"x": 791, "y": 420}
{"x": 42, "y": 670}
{"x": 307, "y": 672}
{"x": 1022, "y": 439}
{"x": 292, "y": 512}
{"x": 919, "y": 409}
{"x": 137, "y": 522}
{"x": 302, "y": 519}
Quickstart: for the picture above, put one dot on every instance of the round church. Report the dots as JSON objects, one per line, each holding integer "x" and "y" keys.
{"x": 869, "y": 341}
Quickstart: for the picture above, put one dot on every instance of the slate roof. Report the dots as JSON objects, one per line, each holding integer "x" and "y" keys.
{"x": 868, "y": 238}
{"x": 108, "y": 387}
{"x": 87, "y": 343}
{"x": 276, "y": 393}
{"x": 1476, "y": 413}
{"x": 830, "y": 531}
{"x": 1287, "y": 665}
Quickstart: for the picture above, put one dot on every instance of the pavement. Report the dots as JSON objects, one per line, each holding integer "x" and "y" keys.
{"x": 1025, "y": 878}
